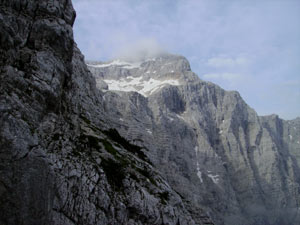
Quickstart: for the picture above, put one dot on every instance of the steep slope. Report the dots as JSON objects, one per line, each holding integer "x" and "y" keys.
{"x": 208, "y": 143}
{"x": 60, "y": 163}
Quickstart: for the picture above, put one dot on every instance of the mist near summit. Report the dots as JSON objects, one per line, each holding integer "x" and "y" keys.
{"x": 140, "y": 51}
{"x": 249, "y": 46}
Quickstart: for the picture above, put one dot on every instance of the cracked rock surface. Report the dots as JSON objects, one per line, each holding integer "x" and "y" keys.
{"x": 213, "y": 149}
{"x": 61, "y": 162}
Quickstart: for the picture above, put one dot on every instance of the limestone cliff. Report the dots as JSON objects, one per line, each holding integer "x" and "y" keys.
{"x": 208, "y": 143}
{"x": 60, "y": 161}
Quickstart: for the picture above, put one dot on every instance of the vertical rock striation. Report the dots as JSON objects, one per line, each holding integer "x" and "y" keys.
{"x": 210, "y": 145}
{"x": 60, "y": 161}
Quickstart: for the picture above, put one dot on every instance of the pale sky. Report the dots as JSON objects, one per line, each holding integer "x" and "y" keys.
{"x": 252, "y": 46}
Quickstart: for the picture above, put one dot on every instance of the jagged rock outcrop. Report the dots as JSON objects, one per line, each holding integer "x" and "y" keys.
{"x": 60, "y": 161}
{"x": 208, "y": 143}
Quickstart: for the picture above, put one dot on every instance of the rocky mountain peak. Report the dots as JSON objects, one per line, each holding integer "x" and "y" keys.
{"x": 212, "y": 147}
{"x": 167, "y": 63}
{"x": 145, "y": 77}
{"x": 75, "y": 155}
{"x": 163, "y": 63}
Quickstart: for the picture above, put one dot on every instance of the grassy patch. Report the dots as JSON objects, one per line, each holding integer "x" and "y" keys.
{"x": 85, "y": 144}
{"x": 146, "y": 174}
{"x": 114, "y": 135}
{"x": 108, "y": 147}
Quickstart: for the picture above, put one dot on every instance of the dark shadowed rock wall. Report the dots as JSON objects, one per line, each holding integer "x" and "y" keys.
{"x": 60, "y": 163}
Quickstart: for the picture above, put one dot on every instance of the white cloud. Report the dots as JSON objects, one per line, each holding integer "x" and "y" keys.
{"x": 223, "y": 61}
{"x": 249, "y": 46}
{"x": 140, "y": 50}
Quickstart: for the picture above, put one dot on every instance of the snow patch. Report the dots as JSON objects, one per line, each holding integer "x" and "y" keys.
{"x": 199, "y": 174}
{"x": 217, "y": 156}
{"x": 180, "y": 117}
{"x": 291, "y": 137}
{"x": 215, "y": 178}
{"x": 126, "y": 65}
{"x": 137, "y": 84}
{"x": 149, "y": 131}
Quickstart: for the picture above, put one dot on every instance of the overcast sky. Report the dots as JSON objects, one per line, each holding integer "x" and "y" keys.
{"x": 252, "y": 46}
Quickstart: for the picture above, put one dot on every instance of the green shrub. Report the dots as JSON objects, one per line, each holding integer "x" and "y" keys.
{"x": 114, "y": 172}
{"x": 114, "y": 135}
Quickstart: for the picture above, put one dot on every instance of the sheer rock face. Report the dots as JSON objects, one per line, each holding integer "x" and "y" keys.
{"x": 60, "y": 163}
{"x": 209, "y": 144}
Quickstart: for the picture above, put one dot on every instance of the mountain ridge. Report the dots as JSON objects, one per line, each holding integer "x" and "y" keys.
{"x": 232, "y": 145}
{"x": 73, "y": 154}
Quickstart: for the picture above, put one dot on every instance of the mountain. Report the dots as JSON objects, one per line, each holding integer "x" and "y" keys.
{"x": 61, "y": 161}
{"x": 141, "y": 141}
{"x": 211, "y": 147}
